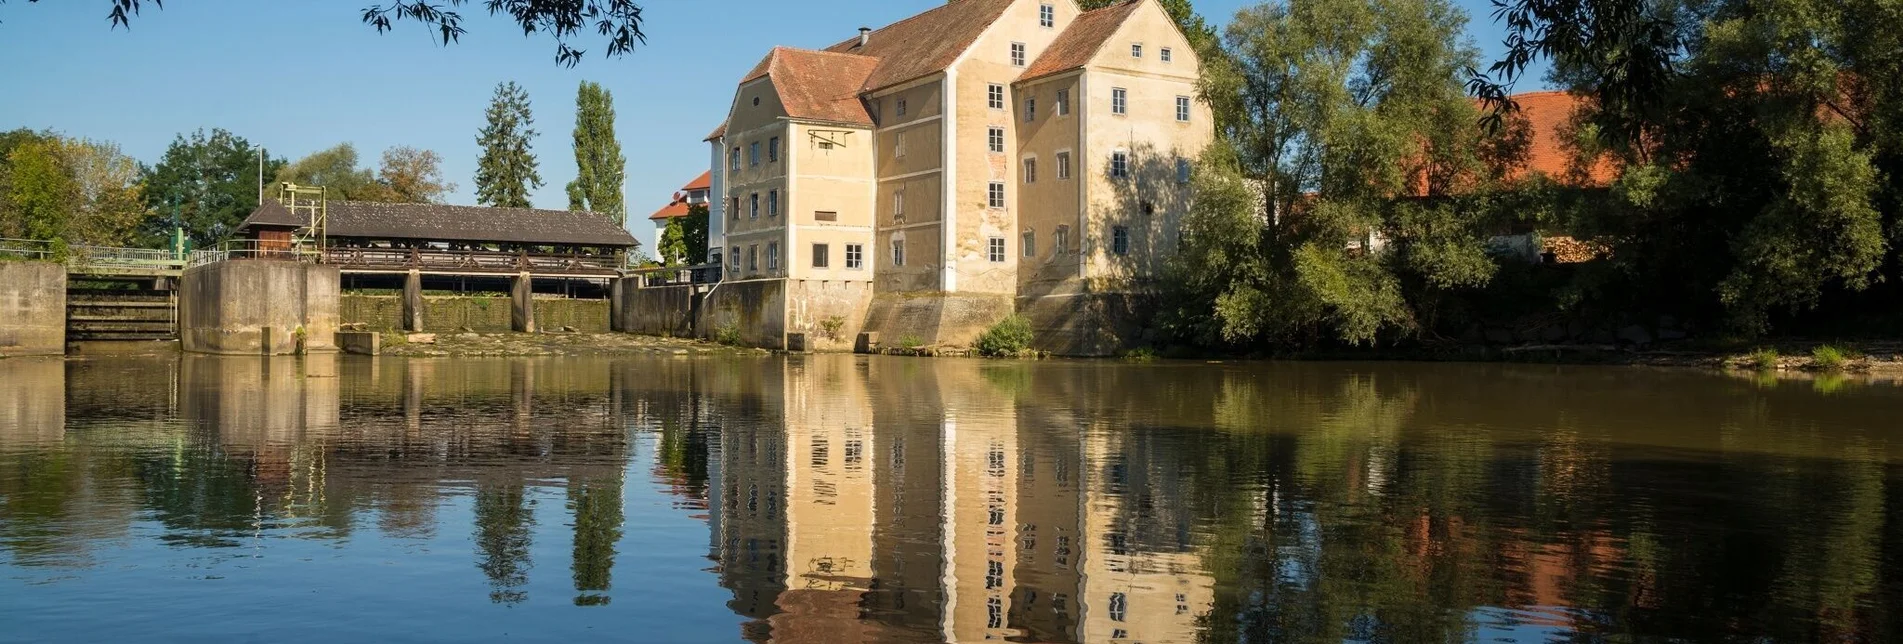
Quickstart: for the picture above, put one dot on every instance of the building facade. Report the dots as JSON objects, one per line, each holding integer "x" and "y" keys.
{"x": 982, "y": 158}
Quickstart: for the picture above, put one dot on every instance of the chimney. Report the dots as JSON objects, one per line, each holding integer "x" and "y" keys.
{"x": 865, "y": 34}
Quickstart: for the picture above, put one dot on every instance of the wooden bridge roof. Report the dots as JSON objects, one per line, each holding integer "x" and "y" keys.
{"x": 439, "y": 222}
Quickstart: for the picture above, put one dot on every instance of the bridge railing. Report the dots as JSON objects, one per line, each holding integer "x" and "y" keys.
{"x": 32, "y": 249}
{"x": 251, "y": 249}
{"x": 675, "y": 275}
{"x": 469, "y": 260}
{"x": 98, "y": 255}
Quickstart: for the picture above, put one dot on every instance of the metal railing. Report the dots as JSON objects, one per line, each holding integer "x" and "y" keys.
{"x": 675, "y": 275}
{"x": 251, "y": 249}
{"x": 33, "y": 249}
{"x": 486, "y": 261}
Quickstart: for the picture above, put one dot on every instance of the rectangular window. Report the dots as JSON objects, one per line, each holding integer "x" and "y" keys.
{"x": 1119, "y": 103}
{"x": 1120, "y": 240}
{"x": 1030, "y": 170}
{"x": 994, "y": 249}
{"x": 753, "y": 153}
{"x": 772, "y": 203}
{"x": 1017, "y": 54}
{"x": 1119, "y": 606}
{"x": 1136, "y": 50}
{"x": 1063, "y": 166}
{"x": 898, "y": 145}
{"x": 1030, "y": 110}
{"x": 901, "y": 107}
{"x": 1060, "y": 244}
{"x": 994, "y": 96}
{"x": 994, "y": 194}
{"x": 855, "y": 256}
{"x": 1163, "y": 54}
{"x": 995, "y": 139}
{"x": 1029, "y": 242}
{"x": 898, "y": 206}
{"x": 825, "y": 215}
{"x": 1182, "y": 109}
{"x": 1119, "y": 164}
{"x": 820, "y": 252}
{"x": 753, "y": 257}
{"x": 733, "y": 160}
{"x": 1182, "y": 170}
{"x": 898, "y": 252}
{"x": 773, "y": 149}
{"x": 733, "y": 254}
{"x": 772, "y": 256}
{"x": 1046, "y": 16}
{"x": 1063, "y": 102}
{"x": 753, "y": 206}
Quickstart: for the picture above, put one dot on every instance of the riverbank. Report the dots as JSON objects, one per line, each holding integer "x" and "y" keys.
{"x": 550, "y": 344}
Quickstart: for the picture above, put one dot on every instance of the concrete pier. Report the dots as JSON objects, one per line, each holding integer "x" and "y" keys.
{"x": 259, "y": 306}
{"x": 32, "y": 308}
{"x": 522, "y": 304}
{"x": 413, "y": 301}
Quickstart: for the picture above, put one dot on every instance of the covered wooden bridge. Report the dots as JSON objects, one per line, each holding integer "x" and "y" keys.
{"x": 436, "y": 239}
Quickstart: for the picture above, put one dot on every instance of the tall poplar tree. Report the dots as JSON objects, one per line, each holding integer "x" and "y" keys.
{"x": 599, "y": 165}
{"x": 507, "y": 170}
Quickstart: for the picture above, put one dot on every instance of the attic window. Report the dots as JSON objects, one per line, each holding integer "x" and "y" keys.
{"x": 1136, "y": 50}
{"x": 1046, "y": 16}
{"x": 1163, "y": 54}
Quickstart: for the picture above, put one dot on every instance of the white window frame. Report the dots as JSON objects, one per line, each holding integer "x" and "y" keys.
{"x": 1136, "y": 50}
{"x": 1063, "y": 165}
{"x": 733, "y": 260}
{"x": 1029, "y": 164}
{"x": 773, "y": 256}
{"x": 855, "y": 256}
{"x": 898, "y": 251}
{"x": 773, "y": 150}
{"x": 994, "y": 195}
{"x": 1028, "y": 241}
{"x": 1063, "y": 102}
{"x": 1119, "y": 164}
{"x": 753, "y": 154}
{"x": 773, "y": 203}
{"x": 995, "y": 250}
{"x": 1047, "y": 16}
{"x": 1182, "y": 109}
{"x": 1018, "y": 50}
{"x": 733, "y": 160}
{"x": 1060, "y": 239}
{"x": 1165, "y": 55}
{"x": 1119, "y": 101}
{"x": 994, "y": 139}
{"x": 1120, "y": 240}
{"x": 994, "y": 96}
{"x": 898, "y": 145}
{"x": 1030, "y": 109}
{"x": 898, "y": 205}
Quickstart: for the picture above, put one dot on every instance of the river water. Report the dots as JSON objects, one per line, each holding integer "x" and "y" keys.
{"x": 856, "y": 499}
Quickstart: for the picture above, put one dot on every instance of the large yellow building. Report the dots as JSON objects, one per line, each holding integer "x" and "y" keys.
{"x": 931, "y": 177}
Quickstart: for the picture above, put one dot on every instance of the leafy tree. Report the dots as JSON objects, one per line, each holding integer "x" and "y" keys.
{"x": 1348, "y": 119}
{"x": 616, "y": 21}
{"x": 413, "y": 175}
{"x": 600, "y": 167}
{"x": 53, "y": 187}
{"x": 507, "y": 170}
{"x": 109, "y": 205}
{"x": 684, "y": 239}
{"x": 336, "y": 170}
{"x": 39, "y": 189}
{"x": 205, "y": 183}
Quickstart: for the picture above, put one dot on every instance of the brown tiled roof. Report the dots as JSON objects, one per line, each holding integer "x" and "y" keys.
{"x": 438, "y": 222}
{"x": 1080, "y": 41}
{"x": 1550, "y": 115}
{"x": 818, "y": 85}
{"x": 924, "y": 44}
{"x": 703, "y": 182}
{"x": 719, "y": 131}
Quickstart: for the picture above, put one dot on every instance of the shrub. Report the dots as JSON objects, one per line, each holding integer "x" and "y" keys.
{"x": 1765, "y": 359}
{"x": 910, "y": 341}
{"x": 1830, "y": 358}
{"x": 727, "y": 334}
{"x": 1009, "y": 337}
{"x": 1140, "y": 354}
{"x": 831, "y": 326}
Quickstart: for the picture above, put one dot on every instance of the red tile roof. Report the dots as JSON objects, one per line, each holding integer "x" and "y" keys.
{"x": 924, "y": 44}
{"x": 676, "y": 208}
{"x": 818, "y": 85}
{"x": 1080, "y": 41}
{"x": 1550, "y": 152}
{"x": 703, "y": 182}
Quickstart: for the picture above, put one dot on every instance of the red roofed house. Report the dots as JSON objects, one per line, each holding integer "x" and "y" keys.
{"x": 983, "y": 158}
{"x": 693, "y": 194}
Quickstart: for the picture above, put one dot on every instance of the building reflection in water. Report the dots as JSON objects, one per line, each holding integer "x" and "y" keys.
{"x": 888, "y": 500}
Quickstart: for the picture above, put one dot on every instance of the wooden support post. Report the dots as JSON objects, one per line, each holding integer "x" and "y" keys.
{"x": 616, "y": 300}
{"x": 522, "y": 304}
{"x": 413, "y": 301}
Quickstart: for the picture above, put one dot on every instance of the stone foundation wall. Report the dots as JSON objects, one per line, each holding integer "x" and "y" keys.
{"x": 660, "y": 310}
{"x": 584, "y": 316}
{"x": 449, "y": 314}
{"x": 32, "y": 308}
{"x": 754, "y": 308}
{"x": 1088, "y": 324}
{"x": 811, "y": 304}
{"x": 258, "y": 306}
{"x": 936, "y": 318}
{"x": 375, "y": 312}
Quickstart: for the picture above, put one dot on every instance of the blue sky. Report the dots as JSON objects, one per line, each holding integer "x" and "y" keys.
{"x": 298, "y": 77}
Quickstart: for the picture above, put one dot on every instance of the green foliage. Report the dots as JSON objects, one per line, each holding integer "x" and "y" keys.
{"x": 1829, "y": 358}
{"x": 408, "y": 175}
{"x": 684, "y": 239}
{"x": 71, "y": 190}
{"x": 506, "y": 172}
{"x": 1009, "y": 337}
{"x": 910, "y": 341}
{"x": 413, "y": 175}
{"x": 1140, "y": 354}
{"x": 727, "y": 334}
{"x": 1765, "y": 359}
{"x": 206, "y": 184}
{"x": 831, "y": 326}
{"x": 600, "y": 168}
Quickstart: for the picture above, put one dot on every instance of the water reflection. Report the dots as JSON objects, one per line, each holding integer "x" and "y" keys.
{"x": 834, "y": 498}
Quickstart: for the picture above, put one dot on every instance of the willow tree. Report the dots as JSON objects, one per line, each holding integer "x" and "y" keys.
{"x": 1353, "y": 179}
